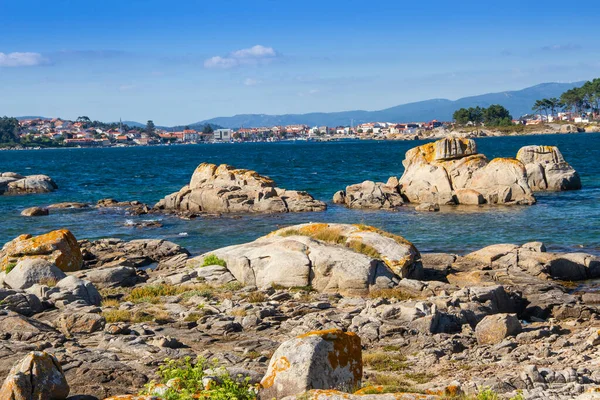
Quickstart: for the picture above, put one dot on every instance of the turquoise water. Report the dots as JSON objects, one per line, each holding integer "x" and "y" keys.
{"x": 569, "y": 220}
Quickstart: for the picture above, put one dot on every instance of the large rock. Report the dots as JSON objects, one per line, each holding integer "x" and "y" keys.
{"x": 74, "y": 289}
{"x": 35, "y": 212}
{"x": 11, "y": 183}
{"x": 495, "y": 328}
{"x": 31, "y": 271}
{"x": 59, "y": 247}
{"x": 110, "y": 277}
{"x": 38, "y": 376}
{"x": 316, "y": 360}
{"x": 369, "y": 194}
{"x": 333, "y": 258}
{"x": 225, "y": 189}
{"x": 547, "y": 169}
{"x": 450, "y": 171}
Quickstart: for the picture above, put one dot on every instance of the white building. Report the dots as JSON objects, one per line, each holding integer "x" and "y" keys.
{"x": 222, "y": 135}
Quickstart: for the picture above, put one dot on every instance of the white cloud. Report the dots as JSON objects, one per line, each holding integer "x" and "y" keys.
{"x": 252, "y": 56}
{"x": 251, "y": 82}
{"x": 20, "y": 59}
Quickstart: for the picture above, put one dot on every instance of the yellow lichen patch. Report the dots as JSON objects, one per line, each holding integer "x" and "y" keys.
{"x": 282, "y": 364}
{"x": 449, "y": 391}
{"x": 59, "y": 247}
{"x": 370, "y": 390}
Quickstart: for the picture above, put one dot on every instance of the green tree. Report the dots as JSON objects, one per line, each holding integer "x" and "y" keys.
{"x": 150, "y": 128}
{"x": 497, "y": 115}
{"x": 9, "y": 130}
{"x": 461, "y": 116}
{"x": 207, "y": 129}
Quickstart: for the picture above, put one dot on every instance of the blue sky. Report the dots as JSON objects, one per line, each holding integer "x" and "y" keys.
{"x": 178, "y": 62}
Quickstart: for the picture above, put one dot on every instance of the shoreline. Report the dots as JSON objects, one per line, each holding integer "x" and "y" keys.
{"x": 472, "y": 135}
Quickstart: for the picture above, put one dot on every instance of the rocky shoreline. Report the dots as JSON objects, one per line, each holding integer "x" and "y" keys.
{"x": 108, "y": 313}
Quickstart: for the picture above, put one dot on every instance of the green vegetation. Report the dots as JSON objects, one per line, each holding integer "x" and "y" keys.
{"x": 185, "y": 382}
{"x": 10, "y": 266}
{"x": 9, "y": 131}
{"x": 153, "y": 293}
{"x": 256, "y": 297}
{"x": 580, "y": 100}
{"x": 494, "y": 115}
{"x": 392, "y": 293}
{"x": 212, "y": 259}
{"x": 388, "y": 362}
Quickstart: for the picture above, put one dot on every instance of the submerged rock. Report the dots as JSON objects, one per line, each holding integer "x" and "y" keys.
{"x": 35, "y": 212}
{"x": 316, "y": 360}
{"x": 225, "y": 189}
{"x": 547, "y": 169}
{"x": 59, "y": 247}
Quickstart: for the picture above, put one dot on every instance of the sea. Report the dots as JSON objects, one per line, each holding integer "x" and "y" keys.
{"x": 566, "y": 221}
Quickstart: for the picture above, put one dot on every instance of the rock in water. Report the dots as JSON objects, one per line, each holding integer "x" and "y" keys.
{"x": 329, "y": 359}
{"x": 59, "y": 247}
{"x": 38, "y": 376}
{"x": 11, "y": 183}
{"x": 494, "y": 328}
{"x": 332, "y": 258}
{"x": 450, "y": 171}
{"x": 225, "y": 189}
{"x": 35, "y": 212}
{"x": 369, "y": 194}
{"x": 547, "y": 169}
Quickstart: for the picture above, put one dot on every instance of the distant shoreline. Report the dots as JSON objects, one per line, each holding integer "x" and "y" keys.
{"x": 407, "y": 138}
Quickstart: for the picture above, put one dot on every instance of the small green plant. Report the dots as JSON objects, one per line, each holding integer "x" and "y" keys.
{"x": 212, "y": 259}
{"x": 10, "y": 266}
{"x": 183, "y": 379}
{"x": 385, "y": 361}
{"x": 117, "y": 316}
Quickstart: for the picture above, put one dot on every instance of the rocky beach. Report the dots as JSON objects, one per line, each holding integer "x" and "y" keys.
{"x": 295, "y": 303}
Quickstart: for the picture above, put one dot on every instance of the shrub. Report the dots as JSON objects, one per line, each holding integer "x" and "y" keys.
{"x": 385, "y": 361}
{"x": 48, "y": 281}
{"x": 117, "y": 316}
{"x": 185, "y": 382}
{"x": 110, "y": 303}
{"x": 211, "y": 259}
{"x": 256, "y": 297}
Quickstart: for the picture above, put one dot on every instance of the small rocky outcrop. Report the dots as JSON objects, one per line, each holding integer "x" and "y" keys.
{"x": 38, "y": 376}
{"x": 315, "y": 360}
{"x": 12, "y": 183}
{"x": 134, "y": 207}
{"x": 59, "y": 247}
{"x": 369, "y": 194}
{"x": 225, "y": 189}
{"x": 337, "y": 258}
{"x": 434, "y": 172}
{"x": 547, "y": 169}
{"x": 493, "y": 329}
{"x": 35, "y": 212}
{"x": 31, "y": 271}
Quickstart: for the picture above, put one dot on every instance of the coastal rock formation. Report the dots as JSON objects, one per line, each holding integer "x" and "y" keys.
{"x": 12, "y": 183}
{"x": 35, "y": 212}
{"x": 225, "y": 189}
{"x": 494, "y": 328}
{"x": 38, "y": 376}
{"x": 434, "y": 172}
{"x": 332, "y": 258}
{"x": 369, "y": 194}
{"x": 315, "y": 360}
{"x": 547, "y": 169}
{"x": 31, "y": 271}
{"x": 59, "y": 247}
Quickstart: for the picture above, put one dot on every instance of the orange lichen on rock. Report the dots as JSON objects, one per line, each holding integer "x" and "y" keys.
{"x": 59, "y": 247}
{"x": 282, "y": 364}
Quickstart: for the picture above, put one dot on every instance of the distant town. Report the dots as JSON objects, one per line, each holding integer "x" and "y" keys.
{"x": 577, "y": 106}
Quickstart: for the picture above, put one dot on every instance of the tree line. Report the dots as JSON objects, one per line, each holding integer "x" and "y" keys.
{"x": 579, "y": 100}
{"x": 494, "y": 115}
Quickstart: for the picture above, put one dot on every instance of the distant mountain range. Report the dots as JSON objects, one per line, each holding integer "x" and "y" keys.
{"x": 518, "y": 102}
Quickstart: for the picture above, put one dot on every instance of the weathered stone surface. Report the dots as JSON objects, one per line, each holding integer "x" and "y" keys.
{"x": 11, "y": 183}
{"x": 76, "y": 289}
{"x": 494, "y": 328}
{"x": 31, "y": 271}
{"x": 225, "y": 189}
{"x": 71, "y": 323}
{"x": 450, "y": 170}
{"x": 547, "y": 169}
{"x": 315, "y": 360}
{"x": 38, "y": 376}
{"x": 110, "y": 277}
{"x": 349, "y": 259}
{"x": 369, "y": 194}
{"x": 430, "y": 207}
{"x": 35, "y": 212}
{"x": 59, "y": 247}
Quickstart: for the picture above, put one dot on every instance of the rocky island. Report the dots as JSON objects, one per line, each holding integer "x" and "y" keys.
{"x": 451, "y": 171}
{"x": 320, "y": 311}
{"x": 12, "y": 183}
{"x": 225, "y": 189}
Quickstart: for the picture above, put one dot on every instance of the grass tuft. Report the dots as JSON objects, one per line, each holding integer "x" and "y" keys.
{"x": 212, "y": 259}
